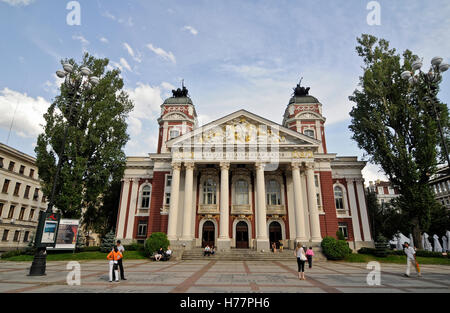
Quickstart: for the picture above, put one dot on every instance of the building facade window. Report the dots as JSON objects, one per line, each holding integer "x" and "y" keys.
{"x": 11, "y": 166}
{"x": 339, "y": 198}
{"x": 16, "y": 189}
{"x": 1, "y": 162}
{"x": 22, "y": 169}
{"x": 167, "y": 189}
{"x": 21, "y": 214}
{"x": 5, "y": 235}
{"x": 11, "y": 211}
{"x": 36, "y": 194}
{"x": 31, "y": 172}
{"x": 318, "y": 192}
{"x": 5, "y": 186}
{"x": 174, "y": 133}
{"x": 273, "y": 192}
{"x": 26, "y": 195}
{"x": 241, "y": 192}
{"x": 1, "y": 209}
{"x": 142, "y": 229}
{"x": 31, "y": 215}
{"x": 344, "y": 229}
{"x": 146, "y": 191}
{"x": 309, "y": 133}
{"x": 209, "y": 191}
{"x": 26, "y": 236}
{"x": 16, "y": 235}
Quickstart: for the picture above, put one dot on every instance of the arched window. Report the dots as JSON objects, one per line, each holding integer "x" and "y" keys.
{"x": 309, "y": 133}
{"x": 273, "y": 192}
{"x": 209, "y": 192}
{"x": 146, "y": 196}
{"x": 241, "y": 192}
{"x": 339, "y": 198}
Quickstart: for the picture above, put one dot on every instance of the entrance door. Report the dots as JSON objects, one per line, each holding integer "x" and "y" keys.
{"x": 208, "y": 235}
{"x": 242, "y": 235}
{"x": 275, "y": 233}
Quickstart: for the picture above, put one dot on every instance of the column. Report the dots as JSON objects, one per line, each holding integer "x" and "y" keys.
{"x": 173, "y": 211}
{"x": 299, "y": 209}
{"x": 314, "y": 220}
{"x": 262, "y": 240}
{"x": 354, "y": 211}
{"x": 223, "y": 242}
{"x": 188, "y": 190}
{"x": 132, "y": 209}
{"x": 123, "y": 208}
{"x": 363, "y": 209}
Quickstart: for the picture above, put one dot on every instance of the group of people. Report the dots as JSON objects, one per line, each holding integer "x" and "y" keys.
{"x": 302, "y": 257}
{"x": 161, "y": 254}
{"x": 115, "y": 262}
{"x": 208, "y": 251}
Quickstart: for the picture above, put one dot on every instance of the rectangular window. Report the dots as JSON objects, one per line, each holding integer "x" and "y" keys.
{"x": 11, "y": 166}
{"x": 1, "y": 162}
{"x": 344, "y": 229}
{"x": 16, "y": 189}
{"x": 380, "y": 190}
{"x": 31, "y": 215}
{"x": 25, "y": 237}
{"x": 36, "y": 194}
{"x": 16, "y": 236}
{"x": 1, "y": 209}
{"x": 142, "y": 229}
{"x": 22, "y": 169}
{"x": 22, "y": 214}
{"x": 5, "y": 186}
{"x": 31, "y": 172}
{"x": 5, "y": 235}
{"x": 169, "y": 181}
{"x": 167, "y": 200}
{"x": 318, "y": 192}
{"x": 44, "y": 198}
{"x": 11, "y": 211}
{"x": 27, "y": 192}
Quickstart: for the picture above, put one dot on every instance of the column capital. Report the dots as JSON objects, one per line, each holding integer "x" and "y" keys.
{"x": 260, "y": 165}
{"x": 189, "y": 165}
{"x": 225, "y": 166}
{"x": 310, "y": 165}
{"x": 295, "y": 165}
{"x": 176, "y": 165}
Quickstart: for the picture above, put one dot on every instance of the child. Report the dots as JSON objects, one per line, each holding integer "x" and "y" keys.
{"x": 309, "y": 255}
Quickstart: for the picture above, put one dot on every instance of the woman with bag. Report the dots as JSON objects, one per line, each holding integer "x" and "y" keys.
{"x": 114, "y": 256}
{"x": 301, "y": 259}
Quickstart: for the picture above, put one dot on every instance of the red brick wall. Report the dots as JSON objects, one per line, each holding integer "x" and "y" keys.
{"x": 160, "y": 138}
{"x": 156, "y": 220}
{"x": 328, "y": 222}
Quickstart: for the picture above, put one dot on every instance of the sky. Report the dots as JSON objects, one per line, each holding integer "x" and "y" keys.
{"x": 233, "y": 54}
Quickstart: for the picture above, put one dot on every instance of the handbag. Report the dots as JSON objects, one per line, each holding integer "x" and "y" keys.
{"x": 302, "y": 255}
{"x": 115, "y": 265}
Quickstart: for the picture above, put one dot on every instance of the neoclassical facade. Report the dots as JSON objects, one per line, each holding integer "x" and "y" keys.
{"x": 243, "y": 181}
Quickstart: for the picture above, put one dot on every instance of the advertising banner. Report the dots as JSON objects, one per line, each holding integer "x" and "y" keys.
{"x": 67, "y": 234}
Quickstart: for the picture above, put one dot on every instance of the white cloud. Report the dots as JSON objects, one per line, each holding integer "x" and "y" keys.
{"x": 162, "y": 53}
{"x": 83, "y": 40}
{"x": 53, "y": 87}
{"x": 131, "y": 52}
{"x": 372, "y": 173}
{"x": 147, "y": 101}
{"x": 29, "y": 113}
{"x": 191, "y": 29}
{"x": 16, "y": 3}
{"x": 104, "y": 40}
{"x": 125, "y": 64}
{"x": 167, "y": 86}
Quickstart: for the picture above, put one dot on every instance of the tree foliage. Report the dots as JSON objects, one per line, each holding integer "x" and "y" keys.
{"x": 396, "y": 126}
{"x": 93, "y": 159}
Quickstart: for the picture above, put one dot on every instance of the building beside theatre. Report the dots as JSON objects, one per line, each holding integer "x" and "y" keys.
{"x": 21, "y": 198}
{"x": 243, "y": 181}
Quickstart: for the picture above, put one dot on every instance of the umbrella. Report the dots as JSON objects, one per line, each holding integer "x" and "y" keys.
{"x": 437, "y": 244}
{"x": 427, "y": 246}
{"x": 444, "y": 244}
{"x": 411, "y": 240}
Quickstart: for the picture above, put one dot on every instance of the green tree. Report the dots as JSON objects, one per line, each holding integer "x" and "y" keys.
{"x": 395, "y": 125}
{"x": 93, "y": 159}
{"x": 108, "y": 242}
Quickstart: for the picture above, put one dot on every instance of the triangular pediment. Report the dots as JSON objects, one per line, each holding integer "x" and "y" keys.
{"x": 244, "y": 128}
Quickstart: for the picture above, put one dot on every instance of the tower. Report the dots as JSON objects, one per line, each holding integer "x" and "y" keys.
{"x": 304, "y": 115}
{"x": 178, "y": 117}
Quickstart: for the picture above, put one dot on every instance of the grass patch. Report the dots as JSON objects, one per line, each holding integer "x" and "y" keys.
{"x": 80, "y": 256}
{"x": 396, "y": 259}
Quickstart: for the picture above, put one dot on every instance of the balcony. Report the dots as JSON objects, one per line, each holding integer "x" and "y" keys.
{"x": 239, "y": 209}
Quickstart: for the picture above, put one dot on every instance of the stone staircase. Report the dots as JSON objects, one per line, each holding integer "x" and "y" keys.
{"x": 248, "y": 255}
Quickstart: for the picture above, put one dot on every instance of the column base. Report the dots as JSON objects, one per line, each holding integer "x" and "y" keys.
{"x": 262, "y": 244}
{"x": 223, "y": 244}
{"x": 187, "y": 244}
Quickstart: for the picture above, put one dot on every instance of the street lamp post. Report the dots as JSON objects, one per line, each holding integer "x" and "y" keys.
{"x": 76, "y": 81}
{"x": 433, "y": 76}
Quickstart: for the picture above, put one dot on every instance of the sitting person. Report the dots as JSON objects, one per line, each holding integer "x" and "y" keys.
{"x": 213, "y": 250}
{"x": 168, "y": 252}
{"x": 274, "y": 247}
{"x": 159, "y": 254}
{"x": 207, "y": 251}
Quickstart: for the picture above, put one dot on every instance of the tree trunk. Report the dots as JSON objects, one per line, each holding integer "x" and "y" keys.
{"x": 417, "y": 234}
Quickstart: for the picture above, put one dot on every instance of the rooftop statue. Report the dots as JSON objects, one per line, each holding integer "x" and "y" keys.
{"x": 301, "y": 91}
{"x": 180, "y": 93}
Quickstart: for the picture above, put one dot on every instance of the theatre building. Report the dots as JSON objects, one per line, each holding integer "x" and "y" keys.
{"x": 243, "y": 181}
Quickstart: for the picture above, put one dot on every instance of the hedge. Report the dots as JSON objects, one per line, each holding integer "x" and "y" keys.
{"x": 335, "y": 249}
{"x": 154, "y": 242}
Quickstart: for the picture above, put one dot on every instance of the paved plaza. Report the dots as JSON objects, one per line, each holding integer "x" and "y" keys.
{"x": 211, "y": 276}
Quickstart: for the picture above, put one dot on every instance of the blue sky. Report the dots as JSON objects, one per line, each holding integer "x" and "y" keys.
{"x": 232, "y": 54}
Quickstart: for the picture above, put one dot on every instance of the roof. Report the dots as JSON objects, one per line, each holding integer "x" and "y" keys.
{"x": 178, "y": 100}
{"x": 303, "y": 99}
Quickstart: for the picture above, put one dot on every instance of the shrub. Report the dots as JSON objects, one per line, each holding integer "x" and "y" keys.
{"x": 12, "y": 253}
{"x": 365, "y": 250}
{"x": 108, "y": 242}
{"x": 154, "y": 242}
{"x": 340, "y": 235}
{"x": 335, "y": 249}
{"x": 134, "y": 246}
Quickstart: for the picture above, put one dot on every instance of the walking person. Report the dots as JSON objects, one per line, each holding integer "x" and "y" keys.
{"x": 309, "y": 256}
{"x": 301, "y": 259}
{"x": 114, "y": 256}
{"x": 121, "y": 250}
{"x": 411, "y": 258}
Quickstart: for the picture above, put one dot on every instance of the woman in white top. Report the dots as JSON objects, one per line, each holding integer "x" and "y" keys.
{"x": 301, "y": 259}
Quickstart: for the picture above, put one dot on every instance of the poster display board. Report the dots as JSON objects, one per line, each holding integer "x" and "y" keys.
{"x": 47, "y": 229}
{"x": 67, "y": 234}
